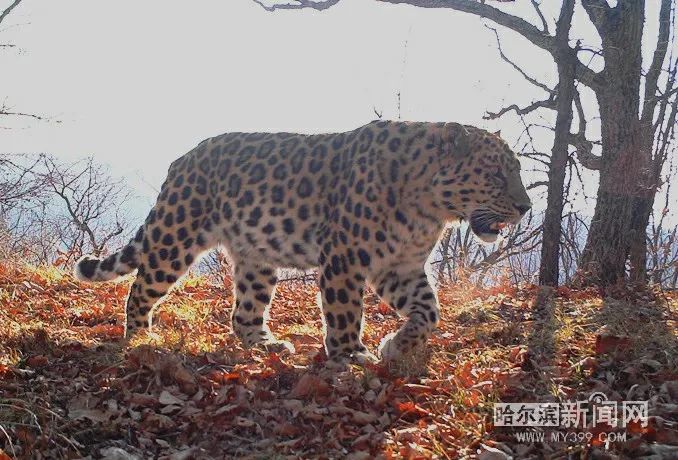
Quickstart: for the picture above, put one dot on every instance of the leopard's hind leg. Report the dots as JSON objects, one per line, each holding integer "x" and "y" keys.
{"x": 254, "y": 287}
{"x": 161, "y": 264}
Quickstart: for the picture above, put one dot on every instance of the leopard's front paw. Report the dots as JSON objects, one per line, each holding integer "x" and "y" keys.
{"x": 263, "y": 340}
{"x": 360, "y": 356}
{"x": 396, "y": 347}
{"x": 364, "y": 357}
{"x": 388, "y": 350}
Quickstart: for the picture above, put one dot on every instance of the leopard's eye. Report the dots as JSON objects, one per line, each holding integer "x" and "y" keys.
{"x": 499, "y": 178}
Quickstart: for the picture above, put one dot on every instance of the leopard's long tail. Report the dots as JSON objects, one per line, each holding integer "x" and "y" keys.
{"x": 123, "y": 262}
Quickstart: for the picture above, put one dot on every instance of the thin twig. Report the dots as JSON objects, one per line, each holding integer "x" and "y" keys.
{"x": 11, "y": 444}
{"x": 544, "y": 24}
{"x": 516, "y": 66}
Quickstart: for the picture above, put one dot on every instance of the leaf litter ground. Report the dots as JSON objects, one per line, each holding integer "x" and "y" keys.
{"x": 69, "y": 389}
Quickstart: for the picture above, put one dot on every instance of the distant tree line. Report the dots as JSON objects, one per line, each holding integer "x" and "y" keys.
{"x": 53, "y": 212}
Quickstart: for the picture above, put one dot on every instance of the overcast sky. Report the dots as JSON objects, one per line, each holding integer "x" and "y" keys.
{"x": 137, "y": 84}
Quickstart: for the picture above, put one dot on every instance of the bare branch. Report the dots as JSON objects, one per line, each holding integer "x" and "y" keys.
{"x": 664, "y": 99}
{"x": 8, "y": 10}
{"x": 665, "y": 126}
{"x": 584, "y": 147}
{"x": 598, "y": 11}
{"x": 540, "y": 38}
{"x": 541, "y": 183}
{"x": 544, "y": 24}
{"x": 298, "y": 4}
{"x": 519, "y": 25}
{"x": 21, "y": 114}
{"x": 548, "y": 103}
{"x": 588, "y": 49}
{"x": 652, "y": 77}
{"x": 515, "y": 66}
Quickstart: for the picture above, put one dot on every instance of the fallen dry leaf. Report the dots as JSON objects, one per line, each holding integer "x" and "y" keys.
{"x": 166, "y": 398}
{"x": 310, "y": 385}
{"x": 608, "y": 343}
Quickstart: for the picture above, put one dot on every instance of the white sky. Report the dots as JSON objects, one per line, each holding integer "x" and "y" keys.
{"x": 137, "y": 84}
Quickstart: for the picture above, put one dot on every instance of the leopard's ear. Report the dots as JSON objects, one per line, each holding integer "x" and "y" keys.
{"x": 497, "y": 133}
{"x": 459, "y": 139}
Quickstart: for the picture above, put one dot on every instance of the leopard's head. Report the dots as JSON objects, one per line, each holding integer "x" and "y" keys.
{"x": 479, "y": 180}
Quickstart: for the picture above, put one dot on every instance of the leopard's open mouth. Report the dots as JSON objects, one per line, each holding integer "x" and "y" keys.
{"x": 487, "y": 225}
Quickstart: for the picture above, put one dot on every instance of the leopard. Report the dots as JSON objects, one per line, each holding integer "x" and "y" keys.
{"x": 364, "y": 207}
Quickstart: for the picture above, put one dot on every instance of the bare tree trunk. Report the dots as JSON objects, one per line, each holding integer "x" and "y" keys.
{"x": 624, "y": 168}
{"x": 638, "y": 247}
{"x": 566, "y": 59}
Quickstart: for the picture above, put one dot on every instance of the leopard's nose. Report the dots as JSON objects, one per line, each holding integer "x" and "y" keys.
{"x": 523, "y": 208}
